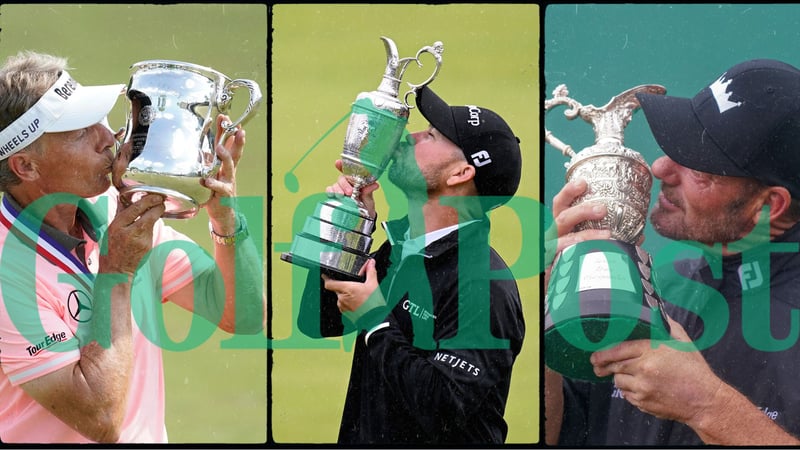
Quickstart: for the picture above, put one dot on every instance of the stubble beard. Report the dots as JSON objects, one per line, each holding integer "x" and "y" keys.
{"x": 725, "y": 225}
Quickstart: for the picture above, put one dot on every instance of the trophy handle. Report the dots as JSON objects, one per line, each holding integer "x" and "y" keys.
{"x": 252, "y": 104}
{"x": 561, "y": 97}
{"x": 608, "y": 121}
{"x": 436, "y": 50}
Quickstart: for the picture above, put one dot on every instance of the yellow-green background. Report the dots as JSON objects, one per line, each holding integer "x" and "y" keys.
{"x": 213, "y": 395}
{"x": 323, "y": 56}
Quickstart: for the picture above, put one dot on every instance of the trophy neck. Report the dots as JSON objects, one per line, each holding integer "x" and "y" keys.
{"x": 609, "y": 141}
{"x": 390, "y": 85}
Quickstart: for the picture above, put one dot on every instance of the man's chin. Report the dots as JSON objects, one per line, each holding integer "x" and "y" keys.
{"x": 102, "y": 187}
{"x": 669, "y": 231}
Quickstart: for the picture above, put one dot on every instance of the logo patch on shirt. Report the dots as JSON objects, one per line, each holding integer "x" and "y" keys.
{"x": 417, "y": 311}
{"x": 456, "y": 362}
{"x": 48, "y": 340}
{"x": 771, "y": 413}
{"x": 750, "y": 275}
{"x": 79, "y": 304}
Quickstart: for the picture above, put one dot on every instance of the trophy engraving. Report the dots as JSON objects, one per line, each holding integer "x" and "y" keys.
{"x": 603, "y": 292}
{"x": 337, "y": 238}
{"x": 172, "y": 126}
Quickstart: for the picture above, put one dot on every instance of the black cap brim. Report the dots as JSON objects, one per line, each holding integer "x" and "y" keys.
{"x": 682, "y": 137}
{"x": 438, "y": 113}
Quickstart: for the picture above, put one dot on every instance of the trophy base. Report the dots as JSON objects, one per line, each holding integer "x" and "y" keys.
{"x": 334, "y": 259}
{"x": 331, "y": 271}
{"x": 602, "y": 293}
{"x": 571, "y": 361}
{"x": 178, "y": 205}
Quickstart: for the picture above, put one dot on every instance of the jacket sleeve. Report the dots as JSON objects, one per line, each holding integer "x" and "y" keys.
{"x": 446, "y": 387}
{"x": 319, "y": 317}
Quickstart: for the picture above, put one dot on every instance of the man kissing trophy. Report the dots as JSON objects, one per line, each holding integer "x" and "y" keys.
{"x": 337, "y": 237}
{"x": 602, "y": 292}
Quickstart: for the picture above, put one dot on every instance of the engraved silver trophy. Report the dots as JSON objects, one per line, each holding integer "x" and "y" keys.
{"x": 172, "y": 127}
{"x": 337, "y": 237}
{"x": 602, "y": 292}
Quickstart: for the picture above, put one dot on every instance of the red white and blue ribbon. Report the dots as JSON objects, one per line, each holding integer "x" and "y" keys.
{"x": 47, "y": 247}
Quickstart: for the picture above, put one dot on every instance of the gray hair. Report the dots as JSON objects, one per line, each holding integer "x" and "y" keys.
{"x": 24, "y": 78}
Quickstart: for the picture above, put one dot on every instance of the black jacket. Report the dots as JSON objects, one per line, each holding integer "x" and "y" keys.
{"x": 425, "y": 370}
{"x": 742, "y": 314}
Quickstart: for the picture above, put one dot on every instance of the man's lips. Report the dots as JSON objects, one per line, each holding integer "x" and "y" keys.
{"x": 665, "y": 203}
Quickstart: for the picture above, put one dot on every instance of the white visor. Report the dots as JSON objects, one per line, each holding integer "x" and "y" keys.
{"x": 66, "y": 106}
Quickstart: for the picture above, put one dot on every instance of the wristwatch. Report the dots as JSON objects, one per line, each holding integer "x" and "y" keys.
{"x": 239, "y": 235}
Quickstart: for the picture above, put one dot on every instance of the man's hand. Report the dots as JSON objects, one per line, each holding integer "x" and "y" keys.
{"x": 130, "y": 234}
{"x": 352, "y": 294}
{"x": 664, "y": 381}
{"x": 229, "y": 150}
{"x": 343, "y": 187}
{"x": 567, "y": 217}
{"x": 679, "y": 385}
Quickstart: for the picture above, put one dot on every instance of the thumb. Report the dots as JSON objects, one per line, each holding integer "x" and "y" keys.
{"x": 369, "y": 272}
{"x": 370, "y": 188}
{"x": 331, "y": 284}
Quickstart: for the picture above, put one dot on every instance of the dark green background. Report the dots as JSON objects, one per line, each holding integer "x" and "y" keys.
{"x": 213, "y": 395}
{"x": 599, "y": 51}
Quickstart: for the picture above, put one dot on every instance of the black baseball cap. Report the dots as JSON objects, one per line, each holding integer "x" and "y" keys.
{"x": 746, "y": 123}
{"x": 486, "y": 140}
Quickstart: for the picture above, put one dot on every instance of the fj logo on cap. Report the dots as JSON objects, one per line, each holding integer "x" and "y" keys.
{"x": 474, "y": 115}
{"x": 718, "y": 89}
{"x": 481, "y": 158}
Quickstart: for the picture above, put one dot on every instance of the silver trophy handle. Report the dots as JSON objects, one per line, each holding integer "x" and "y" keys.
{"x": 608, "y": 121}
{"x": 436, "y": 50}
{"x": 561, "y": 97}
{"x": 252, "y": 103}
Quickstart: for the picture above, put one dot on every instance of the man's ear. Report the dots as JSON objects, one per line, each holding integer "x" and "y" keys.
{"x": 461, "y": 174}
{"x": 24, "y": 166}
{"x": 778, "y": 199}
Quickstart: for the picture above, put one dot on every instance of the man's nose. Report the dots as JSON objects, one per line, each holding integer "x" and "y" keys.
{"x": 664, "y": 167}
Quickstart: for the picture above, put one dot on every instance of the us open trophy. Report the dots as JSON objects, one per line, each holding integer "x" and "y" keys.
{"x": 172, "y": 127}
{"x": 337, "y": 238}
{"x": 602, "y": 292}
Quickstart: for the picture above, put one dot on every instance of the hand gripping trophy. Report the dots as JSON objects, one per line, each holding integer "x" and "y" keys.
{"x": 337, "y": 238}
{"x": 602, "y": 292}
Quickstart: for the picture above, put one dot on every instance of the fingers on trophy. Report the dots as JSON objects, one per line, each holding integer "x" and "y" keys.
{"x": 337, "y": 237}
{"x": 602, "y": 292}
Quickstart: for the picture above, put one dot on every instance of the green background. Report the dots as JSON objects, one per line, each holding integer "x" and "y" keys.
{"x": 213, "y": 395}
{"x": 323, "y": 57}
{"x": 599, "y": 51}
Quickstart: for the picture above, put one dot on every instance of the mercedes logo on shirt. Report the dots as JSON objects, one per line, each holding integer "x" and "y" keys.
{"x": 79, "y": 304}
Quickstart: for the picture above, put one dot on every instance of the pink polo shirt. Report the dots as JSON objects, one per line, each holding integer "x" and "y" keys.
{"x": 41, "y": 315}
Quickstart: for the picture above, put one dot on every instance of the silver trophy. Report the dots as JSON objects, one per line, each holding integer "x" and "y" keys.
{"x": 172, "y": 128}
{"x": 603, "y": 292}
{"x": 337, "y": 238}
